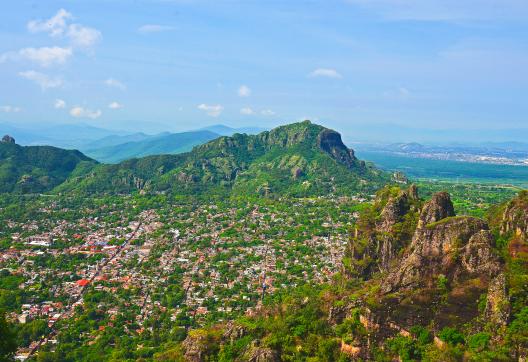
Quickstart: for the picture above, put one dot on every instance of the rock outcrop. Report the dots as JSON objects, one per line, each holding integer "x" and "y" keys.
{"x": 394, "y": 212}
{"x": 330, "y": 142}
{"x": 381, "y": 245}
{"x": 261, "y": 354}
{"x": 201, "y": 344}
{"x": 515, "y": 216}
{"x": 396, "y": 209}
{"x": 436, "y": 209}
{"x": 233, "y": 331}
{"x": 497, "y": 303}
{"x": 455, "y": 247}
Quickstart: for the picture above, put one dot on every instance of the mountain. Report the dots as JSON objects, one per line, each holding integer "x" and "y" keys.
{"x": 229, "y": 131}
{"x": 301, "y": 159}
{"x": 31, "y": 169}
{"x": 114, "y": 140}
{"x": 70, "y": 136}
{"x": 112, "y": 150}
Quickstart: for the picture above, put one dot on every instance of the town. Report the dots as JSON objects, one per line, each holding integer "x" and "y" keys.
{"x": 185, "y": 264}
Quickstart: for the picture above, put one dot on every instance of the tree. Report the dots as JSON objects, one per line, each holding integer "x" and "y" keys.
{"x": 7, "y": 340}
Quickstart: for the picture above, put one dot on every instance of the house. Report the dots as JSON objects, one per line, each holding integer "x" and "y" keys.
{"x": 83, "y": 282}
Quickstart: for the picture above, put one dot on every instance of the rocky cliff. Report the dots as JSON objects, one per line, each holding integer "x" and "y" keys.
{"x": 378, "y": 240}
{"x": 455, "y": 247}
{"x": 515, "y": 216}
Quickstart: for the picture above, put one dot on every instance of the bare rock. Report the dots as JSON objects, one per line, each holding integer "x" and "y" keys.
{"x": 457, "y": 247}
{"x": 436, "y": 209}
{"x": 330, "y": 142}
{"x": 261, "y": 354}
{"x": 515, "y": 216}
{"x": 393, "y": 212}
{"x": 200, "y": 344}
{"x": 233, "y": 331}
{"x": 497, "y": 302}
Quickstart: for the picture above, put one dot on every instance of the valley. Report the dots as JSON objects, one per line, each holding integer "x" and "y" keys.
{"x": 277, "y": 246}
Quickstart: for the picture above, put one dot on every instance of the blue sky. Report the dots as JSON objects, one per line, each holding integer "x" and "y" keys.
{"x": 183, "y": 64}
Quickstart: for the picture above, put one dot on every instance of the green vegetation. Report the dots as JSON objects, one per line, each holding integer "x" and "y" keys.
{"x": 300, "y": 159}
{"x": 268, "y": 247}
{"x": 34, "y": 169}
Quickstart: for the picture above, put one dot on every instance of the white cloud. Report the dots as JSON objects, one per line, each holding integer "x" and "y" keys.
{"x": 82, "y": 36}
{"x": 211, "y": 110}
{"x": 46, "y": 56}
{"x": 247, "y": 111}
{"x": 80, "y": 112}
{"x": 115, "y": 105}
{"x": 244, "y": 91}
{"x": 153, "y": 28}
{"x": 59, "y": 104}
{"x": 325, "y": 72}
{"x": 43, "y": 80}
{"x": 55, "y": 26}
{"x": 114, "y": 83}
{"x": 267, "y": 112}
{"x": 10, "y": 109}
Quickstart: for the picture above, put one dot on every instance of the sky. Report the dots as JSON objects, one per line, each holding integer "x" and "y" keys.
{"x": 178, "y": 65}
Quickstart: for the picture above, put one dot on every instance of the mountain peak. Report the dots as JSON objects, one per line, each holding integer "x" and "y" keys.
{"x": 296, "y": 159}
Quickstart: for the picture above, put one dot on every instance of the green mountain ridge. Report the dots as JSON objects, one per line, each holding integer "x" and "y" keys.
{"x": 31, "y": 169}
{"x": 301, "y": 159}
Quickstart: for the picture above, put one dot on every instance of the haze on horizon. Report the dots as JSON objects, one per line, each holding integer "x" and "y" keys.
{"x": 180, "y": 65}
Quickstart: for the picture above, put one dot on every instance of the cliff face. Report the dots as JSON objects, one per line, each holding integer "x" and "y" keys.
{"x": 380, "y": 240}
{"x": 330, "y": 142}
{"x": 515, "y": 216}
{"x": 395, "y": 209}
{"x": 438, "y": 208}
{"x": 457, "y": 248}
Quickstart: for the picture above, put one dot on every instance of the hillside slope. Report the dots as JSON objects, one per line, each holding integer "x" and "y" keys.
{"x": 301, "y": 159}
{"x": 29, "y": 169}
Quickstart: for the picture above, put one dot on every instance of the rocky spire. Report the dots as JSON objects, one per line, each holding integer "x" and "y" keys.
{"x": 438, "y": 208}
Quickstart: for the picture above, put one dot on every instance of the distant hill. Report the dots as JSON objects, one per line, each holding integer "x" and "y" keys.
{"x": 31, "y": 169}
{"x": 69, "y": 136}
{"x": 113, "y": 151}
{"x": 114, "y": 140}
{"x": 301, "y": 159}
